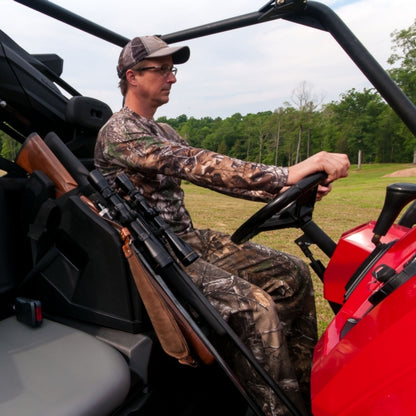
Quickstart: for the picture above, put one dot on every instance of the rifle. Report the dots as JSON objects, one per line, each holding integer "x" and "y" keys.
{"x": 146, "y": 252}
{"x": 173, "y": 331}
{"x": 181, "y": 285}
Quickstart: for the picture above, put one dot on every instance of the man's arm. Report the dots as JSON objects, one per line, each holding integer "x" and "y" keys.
{"x": 335, "y": 165}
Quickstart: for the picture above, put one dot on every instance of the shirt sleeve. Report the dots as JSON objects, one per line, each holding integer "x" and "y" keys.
{"x": 158, "y": 149}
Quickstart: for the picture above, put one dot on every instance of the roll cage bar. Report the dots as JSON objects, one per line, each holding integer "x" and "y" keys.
{"x": 308, "y": 13}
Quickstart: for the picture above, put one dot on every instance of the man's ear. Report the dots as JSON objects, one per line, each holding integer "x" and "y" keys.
{"x": 130, "y": 77}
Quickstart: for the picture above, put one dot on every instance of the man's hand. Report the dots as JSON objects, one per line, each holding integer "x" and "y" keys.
{"x": 335, "y": 165}
{"x": 322, "y": 191}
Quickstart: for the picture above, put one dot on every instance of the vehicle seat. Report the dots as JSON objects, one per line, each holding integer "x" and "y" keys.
{"x": 52, "y": 369}
{"x": 55, "y": 370}
{"x": 58, "y": 368}
{"x": 87, "y": 115}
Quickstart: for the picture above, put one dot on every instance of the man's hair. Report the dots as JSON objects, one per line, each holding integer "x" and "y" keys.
{"x": 123, "y": 84}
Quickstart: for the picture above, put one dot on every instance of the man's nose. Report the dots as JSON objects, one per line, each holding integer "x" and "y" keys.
{"x": 171, "y": 78}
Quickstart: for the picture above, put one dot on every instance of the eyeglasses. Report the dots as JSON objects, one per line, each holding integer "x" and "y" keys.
{"x": 165, "y": 69}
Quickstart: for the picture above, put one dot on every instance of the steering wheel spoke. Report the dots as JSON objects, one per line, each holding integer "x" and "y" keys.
{"x": 291, "y": 208}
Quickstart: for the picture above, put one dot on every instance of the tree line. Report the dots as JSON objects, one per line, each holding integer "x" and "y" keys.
{"x": 360, "y": 123}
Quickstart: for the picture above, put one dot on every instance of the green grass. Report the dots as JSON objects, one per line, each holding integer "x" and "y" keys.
{"x": 353, "y": 201}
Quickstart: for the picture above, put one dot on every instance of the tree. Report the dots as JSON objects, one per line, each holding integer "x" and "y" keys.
{"x": 404, "y": 56}
{"x": 228, "y": 131}
{"x": 306, "y": 105}
{"x": 356, "y": 121}
{"x": 9, "y": 147}
{"x": 255, "y": 129}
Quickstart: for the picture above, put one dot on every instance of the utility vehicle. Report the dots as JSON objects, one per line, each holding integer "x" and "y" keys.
{"x": 75, "y": 336}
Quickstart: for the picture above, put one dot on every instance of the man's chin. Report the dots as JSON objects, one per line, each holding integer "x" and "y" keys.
{"x": 163, "y": 101}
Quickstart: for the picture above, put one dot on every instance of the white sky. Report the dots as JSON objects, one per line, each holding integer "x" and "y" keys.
{"x": 245, "y": 70}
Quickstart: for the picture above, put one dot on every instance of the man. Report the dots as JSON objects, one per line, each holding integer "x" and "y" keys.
{"x": 265, "y": 295}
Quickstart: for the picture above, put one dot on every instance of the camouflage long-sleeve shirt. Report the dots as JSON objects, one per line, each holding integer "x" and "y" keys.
{"x": 156, "y": 159}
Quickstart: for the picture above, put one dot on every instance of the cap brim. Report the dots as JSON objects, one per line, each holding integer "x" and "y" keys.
{"x": 180, "y": 54}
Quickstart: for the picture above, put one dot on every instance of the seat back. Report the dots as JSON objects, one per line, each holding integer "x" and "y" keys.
{"x": 87, "y": 115}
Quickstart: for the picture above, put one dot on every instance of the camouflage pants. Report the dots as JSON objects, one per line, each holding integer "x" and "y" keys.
{"x": 267, "y": 298}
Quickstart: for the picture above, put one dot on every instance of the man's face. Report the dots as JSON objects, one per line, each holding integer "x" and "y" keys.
{"x": 154, "y": 84}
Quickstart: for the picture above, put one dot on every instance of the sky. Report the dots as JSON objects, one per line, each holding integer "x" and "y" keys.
{"x": 247, "y": 70}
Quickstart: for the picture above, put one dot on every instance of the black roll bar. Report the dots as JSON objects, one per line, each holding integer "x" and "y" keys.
{"x": 309, "y": 13}
{"x": 75, "y": 20}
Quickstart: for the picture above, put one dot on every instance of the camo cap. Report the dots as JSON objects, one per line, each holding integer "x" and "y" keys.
{"x": 145, "y": 47}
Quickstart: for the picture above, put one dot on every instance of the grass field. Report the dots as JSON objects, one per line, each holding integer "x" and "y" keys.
{"x": 354, "y": 200}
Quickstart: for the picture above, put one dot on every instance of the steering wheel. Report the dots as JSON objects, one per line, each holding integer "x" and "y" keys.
{"x": 288, "y": 209}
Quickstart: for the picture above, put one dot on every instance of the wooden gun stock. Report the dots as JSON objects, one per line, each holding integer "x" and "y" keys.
{"x": 36, "y": 155}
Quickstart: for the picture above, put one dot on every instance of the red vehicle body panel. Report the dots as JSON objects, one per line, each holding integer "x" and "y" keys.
{"x": 352, "y": 249}
{"x": 369, "y": 369}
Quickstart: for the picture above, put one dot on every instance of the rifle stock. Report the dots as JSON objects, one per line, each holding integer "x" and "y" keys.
{"x": 36, "y": 155}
